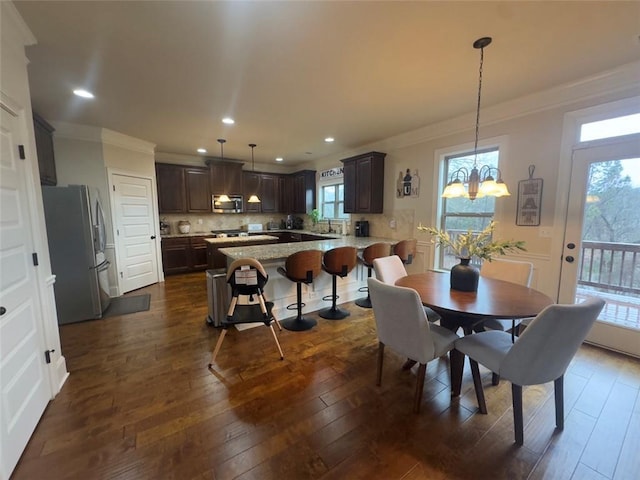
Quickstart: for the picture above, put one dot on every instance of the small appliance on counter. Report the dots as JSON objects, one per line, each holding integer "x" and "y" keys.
{"x": 362, "y": 228}
{"x": 254, "y": 227}
{"x": 165, "y": 227}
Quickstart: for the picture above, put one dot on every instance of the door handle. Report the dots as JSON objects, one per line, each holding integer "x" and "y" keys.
{"x": 153, "y": 237}
{"x": 3, "y": 310}
{"x": 569, "y": 259}
{"x": 571, "y": 246}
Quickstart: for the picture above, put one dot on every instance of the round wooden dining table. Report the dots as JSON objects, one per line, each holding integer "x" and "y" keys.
{"x": 494, "y": 299}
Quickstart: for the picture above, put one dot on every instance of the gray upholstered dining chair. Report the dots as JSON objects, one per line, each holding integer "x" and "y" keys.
{"x": 389, "y": 269}
{"x": 402, "y": 325}
{"x": 540, "y": 355}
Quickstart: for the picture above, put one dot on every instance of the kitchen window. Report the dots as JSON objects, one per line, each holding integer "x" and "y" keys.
{"x": 332, "y": 202}
{"x": 461, "y": 214}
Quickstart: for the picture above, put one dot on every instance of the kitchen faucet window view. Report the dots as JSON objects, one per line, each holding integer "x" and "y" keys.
{"x": 233, "y": 246}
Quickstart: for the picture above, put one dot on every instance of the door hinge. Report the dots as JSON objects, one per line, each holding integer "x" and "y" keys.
{"x": 21, "y": 152}
{"x": 47, "y": 355}
{"x": 121, "y": 276}
{"x": 114, "y": 187}
{"x": 34, "y": 256}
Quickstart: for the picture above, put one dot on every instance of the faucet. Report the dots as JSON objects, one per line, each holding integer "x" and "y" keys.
{"x": 330, "y": 229}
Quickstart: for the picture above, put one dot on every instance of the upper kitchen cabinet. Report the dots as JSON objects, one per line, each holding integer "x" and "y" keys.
{"x": 226, "y": 177}
{"x": 266, "y": 186}
{"x": 364, "y": 183}
{"x": 197, "y": 189}
{"x": 171, "y": 188}
{"x": 304, "y": 192}
{"x": 44, "y": 146}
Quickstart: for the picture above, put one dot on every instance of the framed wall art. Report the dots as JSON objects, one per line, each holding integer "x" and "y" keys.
{"x": 529, "y": 200}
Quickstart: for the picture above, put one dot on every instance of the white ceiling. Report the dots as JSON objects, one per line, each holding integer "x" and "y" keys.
{"x": 292, "y": 73}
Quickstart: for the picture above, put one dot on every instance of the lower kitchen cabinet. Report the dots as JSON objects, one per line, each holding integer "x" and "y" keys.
{"x": 184, "y": 254}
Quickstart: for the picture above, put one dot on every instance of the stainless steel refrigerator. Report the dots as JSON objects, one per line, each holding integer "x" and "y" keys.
{"x": 77, "y": 237}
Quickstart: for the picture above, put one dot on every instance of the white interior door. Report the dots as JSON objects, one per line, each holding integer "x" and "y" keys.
{"x": 24, "y": 384}
{"x": 601, "y": 253}
{"x": 135, "y": 232}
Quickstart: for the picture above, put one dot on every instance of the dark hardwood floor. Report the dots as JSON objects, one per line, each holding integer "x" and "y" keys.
{"x": 140, "y": 403}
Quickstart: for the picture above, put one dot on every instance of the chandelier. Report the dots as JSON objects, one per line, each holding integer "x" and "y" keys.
{"x": 480, "y": 181}
{"x": 254, "y": 197}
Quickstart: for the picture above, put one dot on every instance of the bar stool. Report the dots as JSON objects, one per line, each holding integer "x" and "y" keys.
{"x": 406, "y": 250}
{"x": 301, "y": 267}
{"x": 369, "y": 254}
{"x": 337, "y": 262}
{"x": 247, "y": 277}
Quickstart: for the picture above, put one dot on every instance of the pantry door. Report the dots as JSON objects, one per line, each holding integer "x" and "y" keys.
{"x": 135, "y": 232}
{"x": 601, "y": 252}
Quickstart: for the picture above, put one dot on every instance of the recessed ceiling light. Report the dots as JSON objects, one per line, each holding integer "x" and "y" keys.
{"x": 329, "y": 139}
{"x": 228, "y": 121}
{"x": 202, "y": 150}
{"x": 279, "y": 159}
{"x": 83, "y": 93}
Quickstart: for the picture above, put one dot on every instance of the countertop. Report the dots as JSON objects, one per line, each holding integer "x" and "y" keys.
{"x": 280, "y": 251}
{"x": 252, "y": 238}
{"x": 253, "y": 234}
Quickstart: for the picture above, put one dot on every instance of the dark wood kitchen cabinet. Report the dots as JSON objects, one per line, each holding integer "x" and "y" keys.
{"x": 364, "y": 183}
{"x": 44, "y": 150}
{"x": 304, "y": 192}
{"x": 226, "y": 177}
{"x": 175, "y": 255}
{"x": 184, "y": 254}
{"x": 197, "y": 190}
{"x": 171, "y": 188}
{"x": 266, "y": 186}
{"x": 285, "y": 193}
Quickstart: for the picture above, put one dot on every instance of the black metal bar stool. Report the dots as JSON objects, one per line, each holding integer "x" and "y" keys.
{"x": 337, "y": 262}
{"x": 406, "y": 250}
{"x": 301, "y": 267}
{"x": 369, "y": 254}
{"x": 247, "y": 276}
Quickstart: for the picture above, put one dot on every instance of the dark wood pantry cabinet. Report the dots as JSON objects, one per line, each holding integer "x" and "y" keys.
{"x": 364, "y": 183}
{"x": 44, "y": 150}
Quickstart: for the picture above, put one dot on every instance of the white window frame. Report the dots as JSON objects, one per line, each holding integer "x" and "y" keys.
{"x": 501, "y": 144}
{"x": 336, "y": 203}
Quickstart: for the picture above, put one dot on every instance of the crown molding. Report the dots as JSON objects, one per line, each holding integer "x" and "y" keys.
{"x": 18, "y": 23}
{"x": 101, "y": 135}
{"x": 621, "y": 80}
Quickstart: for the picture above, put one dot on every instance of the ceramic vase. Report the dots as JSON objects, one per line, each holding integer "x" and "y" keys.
{"x": 464, "y": 277}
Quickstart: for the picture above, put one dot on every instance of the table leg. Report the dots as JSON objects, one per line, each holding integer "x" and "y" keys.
{"x": 456, "y": 364}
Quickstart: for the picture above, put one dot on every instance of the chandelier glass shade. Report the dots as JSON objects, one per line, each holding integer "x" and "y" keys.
{"x": 254, "y": 197}
{"x": 477, "y": 182}
{"x": 224, "y": 197}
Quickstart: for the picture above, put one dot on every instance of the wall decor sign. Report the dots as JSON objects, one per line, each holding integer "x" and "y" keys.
{"x": 408, "y": 185}
{"x": 529, "y": 200}
{"x": 336, "y": 172}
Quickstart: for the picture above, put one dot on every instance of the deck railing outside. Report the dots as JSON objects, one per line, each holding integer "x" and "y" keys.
{"x": 610, "y": 267}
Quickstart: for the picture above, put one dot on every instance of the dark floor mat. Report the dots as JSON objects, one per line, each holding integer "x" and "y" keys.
{"x": 125, "y": 305}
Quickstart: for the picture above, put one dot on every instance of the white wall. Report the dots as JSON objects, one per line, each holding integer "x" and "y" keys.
{"x": 533, "y": 128}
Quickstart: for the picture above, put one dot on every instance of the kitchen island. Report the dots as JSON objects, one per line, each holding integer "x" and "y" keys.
{"x": 282, "y": 292}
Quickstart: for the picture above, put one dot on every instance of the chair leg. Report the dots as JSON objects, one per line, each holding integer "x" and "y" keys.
{"x": 380, "y": 361}
{"x": 298, "y": 323}
{"x": 265, "y": 311}
{"x": 456, "y": 365}
{"x": 218, "y": 345}
{"x": 334, "y": 312}
{"x": 558, "y": 387}
{"x": 495, "y": 378}
{"x": 477, "y": 384}
{"x": 422, "y": 370}
{"x": 275, "y": 337}
{"x": 518, "y": 423}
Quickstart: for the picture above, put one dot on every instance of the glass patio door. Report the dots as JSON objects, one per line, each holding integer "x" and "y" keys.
{"x": 601, "y": 252}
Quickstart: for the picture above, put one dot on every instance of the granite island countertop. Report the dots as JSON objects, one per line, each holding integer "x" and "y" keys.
{"x": 240, "y": 240}
{"x": 280, "y": 251}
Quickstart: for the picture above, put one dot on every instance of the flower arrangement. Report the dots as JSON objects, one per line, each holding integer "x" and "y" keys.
{"x": 470, "y": 244}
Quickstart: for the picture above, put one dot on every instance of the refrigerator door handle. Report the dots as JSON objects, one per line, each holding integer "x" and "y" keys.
{"x": 103, "y": 266}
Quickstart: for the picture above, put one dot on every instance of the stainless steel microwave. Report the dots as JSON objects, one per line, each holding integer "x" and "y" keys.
{"x": 230, "y": 204}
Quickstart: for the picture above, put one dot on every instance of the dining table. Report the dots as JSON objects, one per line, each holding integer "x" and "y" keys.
{"x": 494, "y": 299}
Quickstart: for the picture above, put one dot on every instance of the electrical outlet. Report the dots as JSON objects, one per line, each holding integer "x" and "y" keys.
{"x": 199, "y": 221}
{"x": 392, "y": 223}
